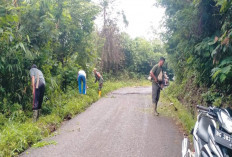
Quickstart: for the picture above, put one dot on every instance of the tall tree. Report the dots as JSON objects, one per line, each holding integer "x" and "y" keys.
{"x": 111, "y": 56}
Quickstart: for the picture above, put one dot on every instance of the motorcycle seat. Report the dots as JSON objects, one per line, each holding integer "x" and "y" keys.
{"x": 202, "y": 131}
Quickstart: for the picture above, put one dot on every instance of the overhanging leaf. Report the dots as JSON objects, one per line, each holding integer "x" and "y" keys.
{"x": 28, "y": 39}
{"x": 215, "y": 51}
{"x": 226, "y": 61}
{"x": 226, "y": 69}
{"x": 215, "y": 72}
{"x": 213, "y": 42}
{"x": 22, "y": 46}
{"x": 222, "y": 78}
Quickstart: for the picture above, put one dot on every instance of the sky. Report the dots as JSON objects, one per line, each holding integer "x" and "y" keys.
{"x": 142, "y": 15}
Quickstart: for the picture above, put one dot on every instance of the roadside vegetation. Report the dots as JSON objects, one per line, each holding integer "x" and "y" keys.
{"x": 18, "y": 132}
{"x": 172, "y": 107}
{"x": 60, "y": 37}
{"x": 199, "y": 48}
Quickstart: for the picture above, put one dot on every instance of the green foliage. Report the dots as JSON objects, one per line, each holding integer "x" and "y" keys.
{"x": 225, "y": 4}
{"x": 43, "y": 143}
{"x": 223, "y": 72}
{"x": 182, "y": 115}
{"x": 210, "y": 96}
{"x": 141, "y": 55}
{"x": 199, "y": 48}
{"x": 218, "y": 102}
{"x": 16, "y": 137}
{"x": 58, "y": 38}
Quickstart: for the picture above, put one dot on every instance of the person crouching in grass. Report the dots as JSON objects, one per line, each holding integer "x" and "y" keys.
{"x": 38, "y": 89}
{"x": 98, "y": 78}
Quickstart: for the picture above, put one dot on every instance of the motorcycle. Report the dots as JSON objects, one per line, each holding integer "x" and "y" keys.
{"x": 212, "y": 134}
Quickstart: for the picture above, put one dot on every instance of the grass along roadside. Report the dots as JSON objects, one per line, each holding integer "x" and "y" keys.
{"x": 182, "y": 117}
{"x": 15, "y": 137}
{"x": 43, "y": 143}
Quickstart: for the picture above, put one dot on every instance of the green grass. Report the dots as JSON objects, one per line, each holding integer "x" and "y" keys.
{"x": 17, "y": 136}
{"x": 43, "y": 143}
{"x": 184, "y": 119}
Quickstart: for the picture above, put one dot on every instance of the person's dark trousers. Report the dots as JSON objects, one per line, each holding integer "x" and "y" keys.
{"x": 38, "y": 100}
{"x": 155, "y": 93}
{"x": 81, "y": 78}
{"x": 155, "y": 96}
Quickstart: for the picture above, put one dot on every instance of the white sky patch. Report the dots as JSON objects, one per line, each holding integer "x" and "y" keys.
{"x": 144, "y": 18}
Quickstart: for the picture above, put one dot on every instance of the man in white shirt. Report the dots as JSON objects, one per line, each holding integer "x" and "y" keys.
{"x": 81, "y": 78}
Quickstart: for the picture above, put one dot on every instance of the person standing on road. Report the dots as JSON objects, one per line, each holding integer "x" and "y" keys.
{"x": 157, "y": 76}
{"x": 38, "y": 89}
{"x": 98, "y": 78}
{"x": 81, "y": 78}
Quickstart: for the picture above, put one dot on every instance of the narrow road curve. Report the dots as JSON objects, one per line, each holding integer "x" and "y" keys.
{"x": 119, "y": 125}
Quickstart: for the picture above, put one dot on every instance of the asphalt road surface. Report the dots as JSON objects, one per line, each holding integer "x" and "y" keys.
{"x": 118, "y": 125}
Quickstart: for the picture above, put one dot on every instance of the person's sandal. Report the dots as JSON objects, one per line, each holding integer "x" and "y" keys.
{"x": 156, "y": 113}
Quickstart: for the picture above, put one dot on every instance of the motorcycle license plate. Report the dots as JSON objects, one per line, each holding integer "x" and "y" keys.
{"x": 223, "y": 139}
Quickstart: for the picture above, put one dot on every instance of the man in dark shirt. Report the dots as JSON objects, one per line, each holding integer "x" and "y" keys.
{"x": 157, "y": 76}
{"x": 38, "y": 88}
{"x": 98, "y": 78}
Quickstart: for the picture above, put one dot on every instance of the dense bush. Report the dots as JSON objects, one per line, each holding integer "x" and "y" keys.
{"x": 199, "y": 47}
{"x": 54, "y": 35}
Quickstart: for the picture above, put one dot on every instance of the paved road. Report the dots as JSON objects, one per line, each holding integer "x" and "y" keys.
{"x": 119, "y": 125}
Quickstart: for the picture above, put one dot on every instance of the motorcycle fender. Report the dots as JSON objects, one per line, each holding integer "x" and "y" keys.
{"x": 214, "y": 147}
{"x": 195, "y": 138}
{"x": 206, "y": 150}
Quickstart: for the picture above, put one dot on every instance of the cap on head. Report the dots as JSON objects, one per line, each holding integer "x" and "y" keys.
{"x": 33, "y": 66}
{"x": 162, "y": 59}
